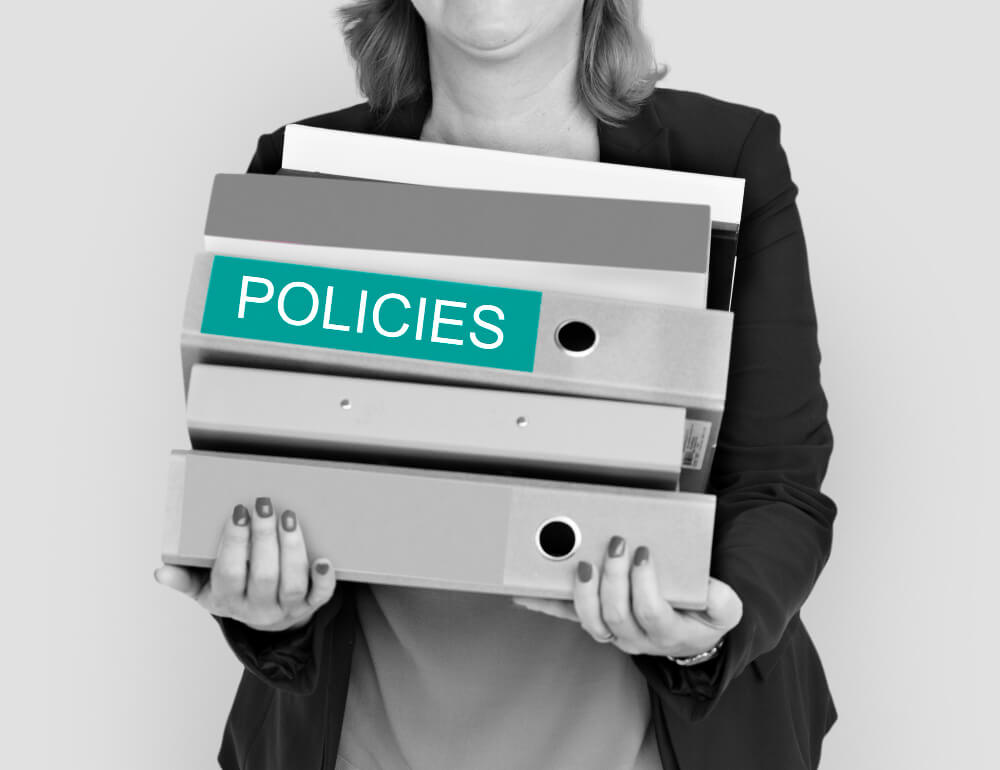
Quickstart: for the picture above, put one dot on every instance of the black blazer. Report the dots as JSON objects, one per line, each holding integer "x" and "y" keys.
{"x": 764, "y": 703}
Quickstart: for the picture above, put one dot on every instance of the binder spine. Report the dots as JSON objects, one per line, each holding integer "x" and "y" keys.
{"x": 640, "y": 352}
{"x": 430, "y": 425}
{"x": 442, "y": 529}
{"x": 521, "y": 226}
{"x": 365, "y": 156}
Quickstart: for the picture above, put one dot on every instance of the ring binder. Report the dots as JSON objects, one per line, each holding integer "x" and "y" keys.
{"x": 440, "y": 529}
{"x": 298, "y": 414}
{"x": 647, "y": 353}
{"x": 641, "y": 250}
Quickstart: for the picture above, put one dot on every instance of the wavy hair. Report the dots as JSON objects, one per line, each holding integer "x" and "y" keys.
{"x": 388, "y": 41}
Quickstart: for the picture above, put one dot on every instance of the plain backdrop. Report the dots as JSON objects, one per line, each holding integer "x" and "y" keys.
{"x": 116, "y": 116}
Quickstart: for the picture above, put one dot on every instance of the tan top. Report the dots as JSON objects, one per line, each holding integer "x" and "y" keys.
{"x": 454, "y": 680}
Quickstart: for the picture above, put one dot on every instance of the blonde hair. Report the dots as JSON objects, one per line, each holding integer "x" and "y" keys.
{"x": 388, "y": 42}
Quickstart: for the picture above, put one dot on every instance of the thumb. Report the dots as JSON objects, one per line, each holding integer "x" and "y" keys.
{"x": 184, "y": 579}
{"x": 724, "y": 608}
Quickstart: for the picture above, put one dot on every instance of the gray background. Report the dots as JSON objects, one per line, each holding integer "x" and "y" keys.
{"x": 116, "y": 116}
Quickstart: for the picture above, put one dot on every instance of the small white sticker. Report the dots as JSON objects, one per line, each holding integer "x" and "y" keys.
{"x": 696, "y": 435}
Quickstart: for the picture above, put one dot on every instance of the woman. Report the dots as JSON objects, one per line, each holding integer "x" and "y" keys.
{"x": 356, "y": 677}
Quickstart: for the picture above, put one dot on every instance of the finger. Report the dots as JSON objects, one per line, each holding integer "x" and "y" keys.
{"x": 654, "y": 615}
{"x": 323, "y": 583}
{"x": 262, "y": 585}
{"x": 229, "y": 573}
{"x": 587, "y": 603}
{"x": 293, "y": 580}
{"x": 188, "y": 580}
{"x": 555, "y": 608}
{"x": 724, "y": 608}
{"x": 615, "y": 592}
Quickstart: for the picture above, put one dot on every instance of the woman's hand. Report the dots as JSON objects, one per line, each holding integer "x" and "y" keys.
{"x": 261, "y": 576}
{"x": 622, "y": 605}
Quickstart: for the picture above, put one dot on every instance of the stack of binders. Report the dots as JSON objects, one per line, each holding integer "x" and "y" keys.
{"x": 462, "y": 368}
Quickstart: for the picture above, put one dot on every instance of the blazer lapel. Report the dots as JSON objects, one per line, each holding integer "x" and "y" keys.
{"x": 642, "y": 140}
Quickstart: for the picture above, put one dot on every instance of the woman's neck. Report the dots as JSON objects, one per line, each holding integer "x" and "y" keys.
{"x": 526, "y": 103}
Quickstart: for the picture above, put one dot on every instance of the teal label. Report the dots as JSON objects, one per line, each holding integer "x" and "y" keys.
{"x": 457, "y": 323}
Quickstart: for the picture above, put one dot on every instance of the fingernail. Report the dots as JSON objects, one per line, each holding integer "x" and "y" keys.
{"x": 322, "y": 567}
{"x": 584, "y": 571}
{"x": 616, "y": 547}
{"x": 641, "y": 556}
{"x": 288, "y": 521}
{"x": 263, "y": 506}
{"x": 241, "y": 516}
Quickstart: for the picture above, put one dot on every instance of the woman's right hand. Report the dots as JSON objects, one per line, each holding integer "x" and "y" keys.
{"x": 261, "y": 576}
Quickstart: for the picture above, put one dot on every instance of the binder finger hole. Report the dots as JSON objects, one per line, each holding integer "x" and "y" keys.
{"x": 558, "y": 538}
{"x": 576, "y": 337}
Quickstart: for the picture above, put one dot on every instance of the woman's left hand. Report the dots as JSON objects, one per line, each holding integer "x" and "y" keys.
{"x": 622, "y": 605}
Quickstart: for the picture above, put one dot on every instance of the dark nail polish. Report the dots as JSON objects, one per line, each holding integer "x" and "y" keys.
{"x": 616, "y": 547}
{"x": 641, "y": 556}
{"x": 584, "y": 571}
{"x": 322, "y": 567}
{"x": 288, "y": 521}
{"x": 241, "y": 516}
{"x": 263, "y": 506}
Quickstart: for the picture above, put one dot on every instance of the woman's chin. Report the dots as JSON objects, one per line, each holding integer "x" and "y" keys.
{"x": 491, "y": 43}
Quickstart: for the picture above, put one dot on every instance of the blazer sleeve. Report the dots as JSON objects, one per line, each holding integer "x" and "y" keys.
{"x": 267, "y": 158}
{"x": 773, "y": 525}
{"x": 285, "y": 659}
